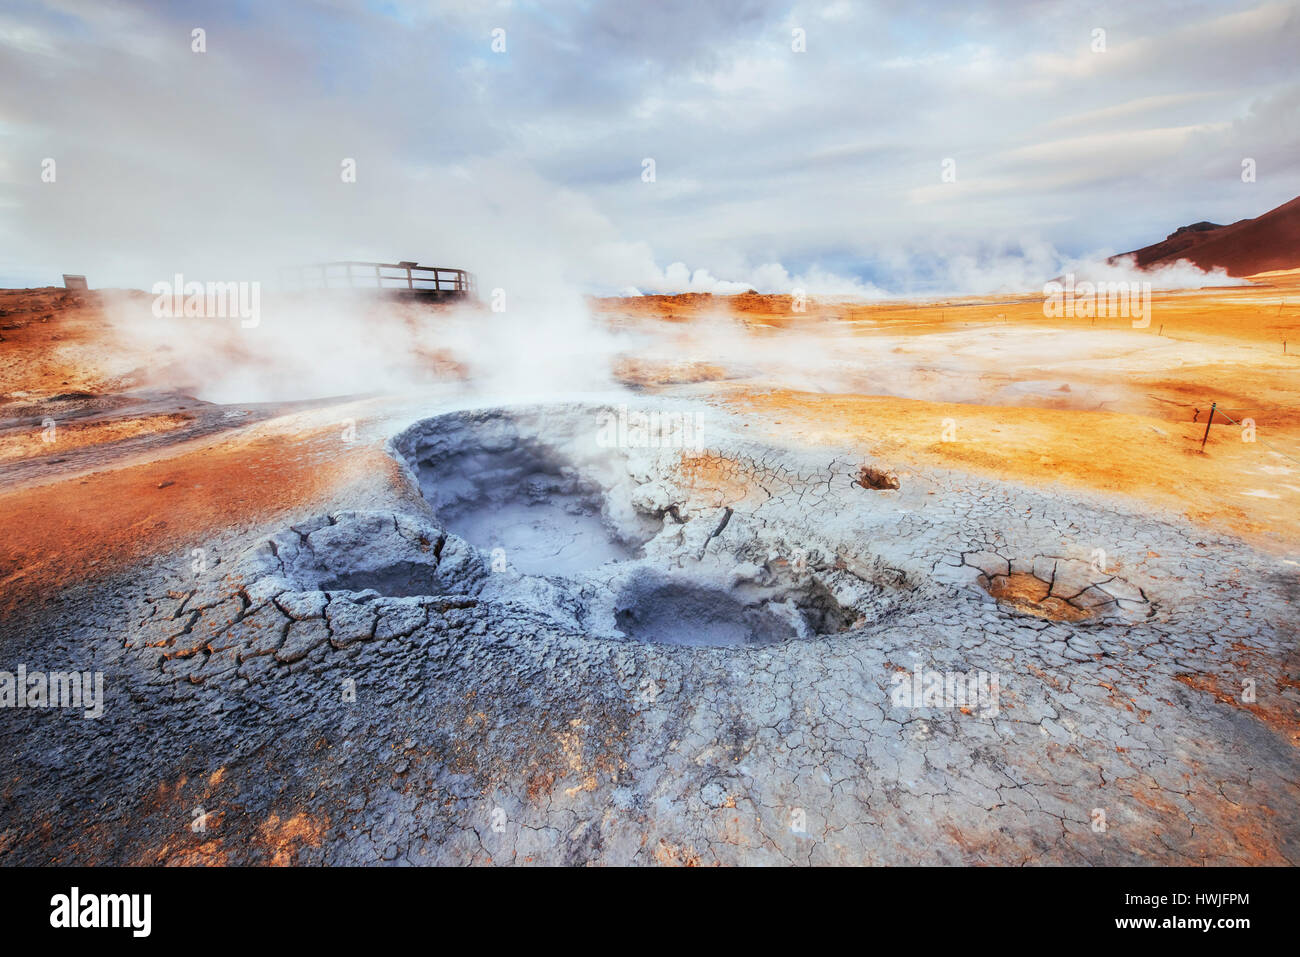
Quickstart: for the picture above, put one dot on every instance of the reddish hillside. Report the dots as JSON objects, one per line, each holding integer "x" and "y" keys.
{"x": 1270, "y": 241}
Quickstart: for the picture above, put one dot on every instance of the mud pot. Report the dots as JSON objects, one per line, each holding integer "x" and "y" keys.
{"x": 548, "y": 649}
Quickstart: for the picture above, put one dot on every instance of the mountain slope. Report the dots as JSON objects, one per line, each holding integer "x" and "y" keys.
{"x": 1246, "y": 247}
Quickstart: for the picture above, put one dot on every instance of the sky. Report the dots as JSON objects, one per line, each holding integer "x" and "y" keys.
{"x": 795, "y": 145}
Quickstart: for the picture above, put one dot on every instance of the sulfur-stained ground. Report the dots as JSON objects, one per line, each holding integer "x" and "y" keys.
{"x": 336, "y": 676}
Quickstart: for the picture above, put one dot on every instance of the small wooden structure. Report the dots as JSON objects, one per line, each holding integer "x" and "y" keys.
{"x": 74, "y": 282}
{"x": 405, "y": 278}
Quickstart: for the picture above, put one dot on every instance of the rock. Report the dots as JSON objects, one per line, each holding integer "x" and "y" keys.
{"x": 303, "y": 636}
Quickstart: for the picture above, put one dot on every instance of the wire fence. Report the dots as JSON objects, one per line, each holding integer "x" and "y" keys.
{"x": 1216, "y": 409}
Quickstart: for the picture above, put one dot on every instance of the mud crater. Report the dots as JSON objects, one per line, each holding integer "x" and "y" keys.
{"x": 530, "y": 510}
{"x": 543, "y": 514}
{"x": 654, "y": 557}
{"x": 677, "y": 608}
{"x": 538, "y": 488}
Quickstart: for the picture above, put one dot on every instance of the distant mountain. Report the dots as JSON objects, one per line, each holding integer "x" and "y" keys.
{"x": 1267, "y": 242}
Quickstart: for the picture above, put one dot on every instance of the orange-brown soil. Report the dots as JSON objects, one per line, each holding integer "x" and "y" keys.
{"x": 26, "y": 443}
{"x": 1122, "y": 412}
{"x": 1030, "y": 595}
{"x": 59, "y": 532}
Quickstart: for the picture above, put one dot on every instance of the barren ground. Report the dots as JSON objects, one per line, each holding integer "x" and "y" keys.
{"x": 231, "y": 568}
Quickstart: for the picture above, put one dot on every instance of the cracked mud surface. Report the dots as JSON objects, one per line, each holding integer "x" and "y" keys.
{"x": 367, "y": 686}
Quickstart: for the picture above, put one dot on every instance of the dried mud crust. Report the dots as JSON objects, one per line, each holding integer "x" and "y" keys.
{"x": 1059, "y": 588}
{"x": 367, "y": 687}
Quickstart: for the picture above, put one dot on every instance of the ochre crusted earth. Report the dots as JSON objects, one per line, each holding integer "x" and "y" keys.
{"x": 305, "y": 662}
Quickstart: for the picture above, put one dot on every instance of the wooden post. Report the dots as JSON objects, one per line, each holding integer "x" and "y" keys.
{"x": 1213, "y": 406}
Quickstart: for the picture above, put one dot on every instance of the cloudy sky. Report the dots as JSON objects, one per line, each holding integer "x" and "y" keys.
{"x": 773, "y": 166}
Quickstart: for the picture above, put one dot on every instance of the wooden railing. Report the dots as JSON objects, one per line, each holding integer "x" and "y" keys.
{"x": 400, "y": 277}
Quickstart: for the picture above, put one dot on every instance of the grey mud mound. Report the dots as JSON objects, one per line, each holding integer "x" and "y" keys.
{"x": 730, "y": 654}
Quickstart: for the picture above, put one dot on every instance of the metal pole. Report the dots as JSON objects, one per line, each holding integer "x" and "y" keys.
{"x": 1207, "y": 424}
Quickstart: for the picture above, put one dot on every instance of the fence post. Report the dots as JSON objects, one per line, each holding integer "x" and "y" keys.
{"x": 1213, "y": 405}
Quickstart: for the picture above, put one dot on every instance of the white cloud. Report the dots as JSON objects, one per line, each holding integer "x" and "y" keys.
{"x": 528, "y": 164}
